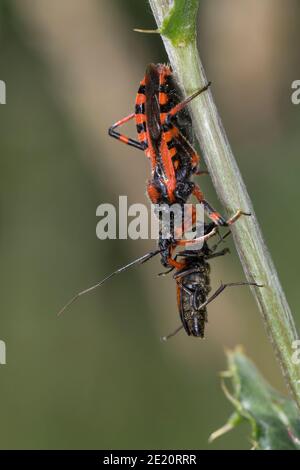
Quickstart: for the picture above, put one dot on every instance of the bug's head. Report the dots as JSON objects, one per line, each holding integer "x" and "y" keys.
{"x": 184, "y": 190}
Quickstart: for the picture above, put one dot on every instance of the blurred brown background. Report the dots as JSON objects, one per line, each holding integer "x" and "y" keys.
{"x": 99, "y": 377}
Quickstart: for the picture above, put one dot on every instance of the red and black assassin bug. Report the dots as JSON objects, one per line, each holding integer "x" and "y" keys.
{"x": 164, "y": 129}
{"x": 192, "y": 281}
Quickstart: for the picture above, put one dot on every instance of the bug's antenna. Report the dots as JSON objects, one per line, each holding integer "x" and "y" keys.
{"x": 165, "y": 338}
{"x": 140, "y": 260}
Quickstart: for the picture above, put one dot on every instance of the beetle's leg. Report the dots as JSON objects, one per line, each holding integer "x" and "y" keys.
{"x": 223, "y": 287}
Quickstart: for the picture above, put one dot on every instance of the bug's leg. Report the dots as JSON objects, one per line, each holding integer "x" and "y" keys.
{"x": 123, "y": 138}
{"x": 164, "y": 273}
{"x": 202, "y": 239}
{"x": 174, "y": 264}
{"x": 217, "y": 218}
{"x": 190, "y": 222}
{"x": 236, "y": 216}
{"x": 186, "y": 272}
{"x": 223, "y": 287}
{"x": 210, "y": 211}
{"x": 188, "y": 225}
{"x": 184, "y": 103}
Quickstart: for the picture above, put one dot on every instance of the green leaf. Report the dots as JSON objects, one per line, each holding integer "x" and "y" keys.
{"x": 180, "y": 25}
{"x": 274, "y": 419}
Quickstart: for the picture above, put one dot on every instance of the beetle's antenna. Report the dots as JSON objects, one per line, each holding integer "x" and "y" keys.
{"x": 140, "y": 260}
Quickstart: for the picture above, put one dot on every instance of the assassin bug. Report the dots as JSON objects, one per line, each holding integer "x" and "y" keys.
{"x": 164, "y": 132}
{"x": 192, "y": 282}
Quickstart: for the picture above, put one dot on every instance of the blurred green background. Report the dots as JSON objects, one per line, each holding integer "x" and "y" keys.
{"x": 99, "y": 377}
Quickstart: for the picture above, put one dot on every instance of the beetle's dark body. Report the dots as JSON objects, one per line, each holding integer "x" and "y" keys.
{"x": 193, "y": 287}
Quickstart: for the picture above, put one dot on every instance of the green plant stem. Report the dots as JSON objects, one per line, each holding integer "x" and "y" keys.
{"x": 182, "y": 50}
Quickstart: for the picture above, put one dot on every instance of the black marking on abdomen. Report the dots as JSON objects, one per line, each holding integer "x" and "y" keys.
{"x": 165, "y": 108}
{"x": 142, "y": 89}
{"x": 140, "y": 108}
{"x": 141, "y": 127}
